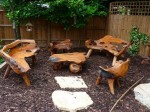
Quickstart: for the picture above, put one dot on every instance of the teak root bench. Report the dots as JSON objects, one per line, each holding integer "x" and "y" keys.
{"x": 15, "y": 53}
{"x": 115, "y": 46}
{"x": 60, "y": 45}
{"x": 113, "y": 73}
{"x": 75, "y": 60}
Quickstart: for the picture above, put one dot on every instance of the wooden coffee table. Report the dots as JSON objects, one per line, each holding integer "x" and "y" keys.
{"x": 75, "y": 60}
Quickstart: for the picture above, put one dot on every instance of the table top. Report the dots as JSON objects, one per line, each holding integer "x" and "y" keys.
{"x": 76, "y": 57}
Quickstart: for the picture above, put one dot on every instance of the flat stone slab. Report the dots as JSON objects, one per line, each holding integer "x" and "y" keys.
{"x": 142, "y": 94}
{"x": 71, "y": 101}
{"x": 71, "y": 82}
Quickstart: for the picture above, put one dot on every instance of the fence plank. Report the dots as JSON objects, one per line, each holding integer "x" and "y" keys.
{"x": 120, "y": 26}
{"x": 46, "y": 31}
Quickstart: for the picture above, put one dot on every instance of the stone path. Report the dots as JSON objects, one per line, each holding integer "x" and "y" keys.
{"x": 71, "y": 101}
{"x": 142, "y": 94}
{"x": 71, "y": 82}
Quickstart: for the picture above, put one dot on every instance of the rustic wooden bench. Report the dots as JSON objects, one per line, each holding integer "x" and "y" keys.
{"x": 75, "y": 60}
{"x": 15, "y": 53}
{"x": 113, "y": 73}
{"x": 60, "y": 45}
{"x": 115, "y": 46}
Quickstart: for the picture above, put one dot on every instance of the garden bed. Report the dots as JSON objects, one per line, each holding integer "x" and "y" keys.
{"x": 15, "y": 96}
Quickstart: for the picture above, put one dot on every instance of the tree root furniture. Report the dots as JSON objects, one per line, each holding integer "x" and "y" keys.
{"x": 115, "y": 46}
{"x": 75, "y": 60}
{"x": 15, "y": 53}
{"x": 113, "y": 73}
{"x": 60, "y": 45}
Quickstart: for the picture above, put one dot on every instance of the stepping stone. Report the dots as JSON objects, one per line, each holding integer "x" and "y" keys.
{"x": 71, "y": 101}
{"x": 71, "y": 82}
{"x": 142, "y": 94}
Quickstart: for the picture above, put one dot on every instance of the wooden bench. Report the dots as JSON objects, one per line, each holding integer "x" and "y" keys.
{"x": 15, "y": 53}
{"x": 115, "y": 46}
{"x": 113, "y": 73}
{"x": 75, "y": 60}
{"x": 60, "y": 45}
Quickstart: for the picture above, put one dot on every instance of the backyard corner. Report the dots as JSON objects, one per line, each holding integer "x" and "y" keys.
{"x": 74, "y": 56}
{"x": 17, "y": 97}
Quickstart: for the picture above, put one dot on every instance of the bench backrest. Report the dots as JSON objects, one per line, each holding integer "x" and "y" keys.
{"x": 9, "y": 50}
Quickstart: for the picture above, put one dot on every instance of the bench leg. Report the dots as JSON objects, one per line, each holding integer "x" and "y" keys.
{"x": 98, "y": 80}
{"x": 26, "y": 79}
{"x": 118, "y": 82}
{"x": 114, "y": 60}
{"x": 111, "y": 85}
{"x": 33, "y": 60}
{"x": 7, "y": 72}
{"x": 75, "y": 68}
{"x": 57, "y": 66}
{"x": 89, "y": 53}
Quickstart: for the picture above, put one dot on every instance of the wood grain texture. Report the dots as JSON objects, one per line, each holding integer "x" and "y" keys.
{"x": 15, "y": 53}
{"x": 60, "y": 45}
{"x": 114, "y": 45}
{"x": 75, "y": 57}
{"x": 113, "y": 73}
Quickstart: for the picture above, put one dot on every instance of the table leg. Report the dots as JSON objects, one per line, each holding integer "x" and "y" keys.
{"x": 7, "y": 72}
{"x": 89, "y": 53}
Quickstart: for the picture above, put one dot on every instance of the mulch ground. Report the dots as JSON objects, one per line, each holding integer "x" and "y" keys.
{"x": 16, "y": 97}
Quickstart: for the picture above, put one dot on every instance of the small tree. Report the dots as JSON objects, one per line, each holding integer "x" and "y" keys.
{"x": 137, "y": 39}
{"x": 69, "y": 13}
{"x": 11, "y": 7}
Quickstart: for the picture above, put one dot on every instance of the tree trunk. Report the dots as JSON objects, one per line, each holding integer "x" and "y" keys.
{"x": 16, "y": 27}
{"x": 18, "y": 36}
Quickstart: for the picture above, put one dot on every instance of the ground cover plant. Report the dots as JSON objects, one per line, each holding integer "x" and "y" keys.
{"x": 15, "y": 96}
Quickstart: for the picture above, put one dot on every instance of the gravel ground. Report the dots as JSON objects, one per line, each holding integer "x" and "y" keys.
{"x": 16, "y": 97}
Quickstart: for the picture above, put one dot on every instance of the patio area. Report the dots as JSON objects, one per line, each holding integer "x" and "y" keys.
{"x": 16, "y": 97}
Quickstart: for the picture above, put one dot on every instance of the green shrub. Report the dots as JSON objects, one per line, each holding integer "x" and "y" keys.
{"x": 69, "y": 13}
{"x": 137, "y": 39}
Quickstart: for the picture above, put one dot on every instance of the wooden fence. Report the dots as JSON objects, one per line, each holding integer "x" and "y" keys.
{"x": 45, "y": 31}
{"x": 120, "y": 26}
{"x": 124, "y": 15}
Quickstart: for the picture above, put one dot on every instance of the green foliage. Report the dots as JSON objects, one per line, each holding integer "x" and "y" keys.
{"x": 1, "y": 60}
{"x": 137, "y": 39}
{"x": 69, "y": 13}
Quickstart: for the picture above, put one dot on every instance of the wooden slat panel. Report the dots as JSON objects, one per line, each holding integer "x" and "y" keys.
{"x": 121, "y": 25}
{"x": 45, "y": 31}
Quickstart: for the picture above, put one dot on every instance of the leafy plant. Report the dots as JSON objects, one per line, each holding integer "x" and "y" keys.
{"x": 122, "y": 10}
{"x": 137, "y": 39}
{"x": 69, "y": 13}
{"x": 1, "y": 60}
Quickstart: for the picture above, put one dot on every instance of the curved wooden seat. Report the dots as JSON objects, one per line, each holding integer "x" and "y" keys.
{"x": 115, "y": 46}
{"x": 60, "y": 45}
{"x": 15, "y": 53}
{"x": 113, "y": 73}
